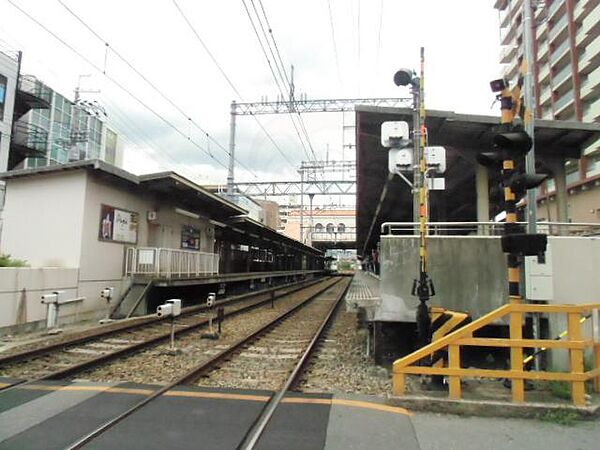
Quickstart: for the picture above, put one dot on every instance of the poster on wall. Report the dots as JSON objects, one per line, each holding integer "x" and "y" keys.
{"x": 118, "y": 225}
{"x": 190, "y": 238}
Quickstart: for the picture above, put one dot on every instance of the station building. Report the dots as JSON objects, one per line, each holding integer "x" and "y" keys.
{"x": 87, "y": 225}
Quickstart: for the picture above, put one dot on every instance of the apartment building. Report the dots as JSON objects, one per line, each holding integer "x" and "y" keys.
{"x": 567, "y": 68}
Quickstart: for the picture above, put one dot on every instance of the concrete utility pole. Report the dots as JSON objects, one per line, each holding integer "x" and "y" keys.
{"x": 416, "y": 91}
{"x": 231, "y": 149}
{"x": 530, "y": 103}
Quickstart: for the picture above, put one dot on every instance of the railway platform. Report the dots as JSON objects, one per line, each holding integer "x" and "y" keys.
{"x": 54, "y": 415}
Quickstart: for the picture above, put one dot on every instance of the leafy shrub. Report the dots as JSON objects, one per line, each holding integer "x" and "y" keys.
{"x": 7, "y": 261}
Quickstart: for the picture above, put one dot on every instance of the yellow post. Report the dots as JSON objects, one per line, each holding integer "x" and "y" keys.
{"x": 454, "y": 363}
{"x": 597, "y": 366}
{"x": 574, "y": 330}
{"x": 516, "y": 353}
{"x": 399, "y": 384}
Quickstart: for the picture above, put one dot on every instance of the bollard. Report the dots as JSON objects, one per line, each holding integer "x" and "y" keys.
{"x": 220, "y": 317}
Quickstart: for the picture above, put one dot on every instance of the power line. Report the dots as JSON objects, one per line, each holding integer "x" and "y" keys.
{"x": 152, "y": 85}
{"x": 335, "y": 52}
{"x": 379, "y": 34}
{"x": 115, "y": 82}
{"x": 278, "y": 81}
{"x": 289, "y": 83}
{"x": 237, "y": 92}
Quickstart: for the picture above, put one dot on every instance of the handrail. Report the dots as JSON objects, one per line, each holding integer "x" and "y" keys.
{"x": 482, "y": 227}
{"x": 463, "y": 337}
{"x": 169, "y": 262}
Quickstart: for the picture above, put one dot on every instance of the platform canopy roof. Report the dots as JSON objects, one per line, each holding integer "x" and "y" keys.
{"x": 261, "y": 232}
{"x": 169, "y": 186}
{"x": 463, "y": 135}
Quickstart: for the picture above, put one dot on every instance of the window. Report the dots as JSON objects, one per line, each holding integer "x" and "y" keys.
{"x": 330, "y": 228}
{"x": 341, "y": 227}
{"x": 2, "y": 95}
{"x": 319, "y": 227}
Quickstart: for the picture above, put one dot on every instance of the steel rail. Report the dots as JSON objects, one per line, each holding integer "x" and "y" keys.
{"x": 134, "y": 324}
{"x": 256, "y": 431}
{"x": 199, "y": 370}
{"x": 84, "y": 365}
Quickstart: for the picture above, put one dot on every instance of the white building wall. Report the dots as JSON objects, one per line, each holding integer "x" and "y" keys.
{"x": 102, "y": 262}
{"x": 54, "y": 221}
{"x": 43, "y": 218}
{"x": 8, "y": 68}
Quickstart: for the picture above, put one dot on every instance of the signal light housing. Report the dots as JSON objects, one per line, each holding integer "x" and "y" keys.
{"x": 519, "y": 183}
{"x": 498, "y": 85}
{"x": 517, "y": 142}
{"x": 490, "y": 159}
{"x": 524, "y": 244}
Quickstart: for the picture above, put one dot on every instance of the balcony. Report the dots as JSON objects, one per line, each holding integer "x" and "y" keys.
{"x": 583, "y": 7}
{"x": 27, "y": 141}
{"x": 507, "y": 54}
{"x": 543, "y": 50}
{"x": 545, "y": 96}
{"x": 544, "y": 73}
{"x": 590, "y": 58}
{"x": 591, "y": 85}
{"x": 31, "y": 94}
{"x": 558, "y": 27}
{"x": 558, "y": 53}
{"x": 563, "y": 75}
{"x": 564, "y": 101}
{"x": 591, "y": 111}
{"x": 590, "y": 26}
{"x": 555, "y": 7}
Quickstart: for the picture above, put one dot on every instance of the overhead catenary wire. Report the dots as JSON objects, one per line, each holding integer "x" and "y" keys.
{"x": 281, "y": 80}
{"x": 278, "y": 81}
{"x": 115, "y": 82}
{"x": 288, "y": 82}
{"x": 144, "y": 142}
{"x": 335, "y": 52}
{"x": 233, "y": 87}
{"x": 150, "y": 83}
{"x": 379, "y": 34}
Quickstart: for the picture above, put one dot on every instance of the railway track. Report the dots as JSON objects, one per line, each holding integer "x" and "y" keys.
{"x": 81, "y": 352}
{"x": 305, "y": 323}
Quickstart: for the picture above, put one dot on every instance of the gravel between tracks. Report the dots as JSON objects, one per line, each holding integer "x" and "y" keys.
{"x": 161, "y": 366}
{"x": 340, "y": 364}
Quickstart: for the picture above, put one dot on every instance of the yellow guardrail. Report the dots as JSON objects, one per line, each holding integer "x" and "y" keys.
{"x": 463, "y": 337}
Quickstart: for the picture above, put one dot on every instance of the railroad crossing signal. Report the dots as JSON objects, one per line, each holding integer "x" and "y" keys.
{"x": 510, "y": 144}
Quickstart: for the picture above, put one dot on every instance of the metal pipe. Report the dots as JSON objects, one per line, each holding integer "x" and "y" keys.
{"x": 530, "y": 100}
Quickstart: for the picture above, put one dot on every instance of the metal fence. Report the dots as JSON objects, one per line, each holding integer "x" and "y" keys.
{"x": 168, "y": 262}
{"x": 491, "y": 228}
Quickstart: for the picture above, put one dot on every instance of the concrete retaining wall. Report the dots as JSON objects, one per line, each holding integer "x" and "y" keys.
{"x": 21, "y": 289}
{"x": 468, "y": 272}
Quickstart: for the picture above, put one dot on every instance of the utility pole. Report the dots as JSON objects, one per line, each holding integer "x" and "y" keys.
{"x": 416, "y": 92}
{"x": 530, "y": 103}
{"x": 231, "y": 150}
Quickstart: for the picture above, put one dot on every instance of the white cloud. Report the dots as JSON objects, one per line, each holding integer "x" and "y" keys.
{"x": 460, "y": 36}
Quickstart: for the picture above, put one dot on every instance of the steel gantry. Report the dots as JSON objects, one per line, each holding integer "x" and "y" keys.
{"x": 304, "y": 105}
{"x": 293, "y": 105}
{"x": 283, "y": 188}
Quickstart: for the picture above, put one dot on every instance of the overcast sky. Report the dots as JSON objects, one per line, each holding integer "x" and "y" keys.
{"x": 373, "y": 38}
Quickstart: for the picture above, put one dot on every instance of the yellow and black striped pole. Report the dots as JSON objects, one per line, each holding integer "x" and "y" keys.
{"x": 423, "y": 286}
{"x": 508, "y": 109}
